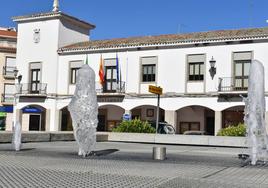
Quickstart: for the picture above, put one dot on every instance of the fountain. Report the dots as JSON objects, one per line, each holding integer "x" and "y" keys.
{"x": 255, "y": 115}
{"x": 84, "y": 111}
{"x": 16, "y": 138}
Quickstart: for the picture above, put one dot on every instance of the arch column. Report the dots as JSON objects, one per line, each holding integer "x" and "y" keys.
{"x": 171, "y": 117}
{"x": 218, "y": 122}
{"x": 53, "y": 120}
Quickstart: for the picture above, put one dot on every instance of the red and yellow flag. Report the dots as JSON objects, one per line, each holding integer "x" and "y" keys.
{"x": 101, "y": 72}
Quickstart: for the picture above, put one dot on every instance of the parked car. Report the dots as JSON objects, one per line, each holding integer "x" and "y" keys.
{"x": 163, "y": 127}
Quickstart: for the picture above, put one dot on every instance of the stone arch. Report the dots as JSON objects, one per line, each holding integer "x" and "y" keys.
{"x": 195, "y": 118}
{"x": 109, "y": 116}
{"x": 65, "y": 119}
{"x": 147, "y": 113}
{"x": 34, "y": 118}
{"x": 233, "y": 115}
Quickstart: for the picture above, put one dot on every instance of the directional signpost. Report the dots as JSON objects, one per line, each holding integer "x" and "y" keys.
{"x": 158, "y": 91}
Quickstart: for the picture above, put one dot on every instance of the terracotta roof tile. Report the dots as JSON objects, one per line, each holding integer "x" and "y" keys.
{"x": 169, "y": 39}
{"x": 8, "y": 34}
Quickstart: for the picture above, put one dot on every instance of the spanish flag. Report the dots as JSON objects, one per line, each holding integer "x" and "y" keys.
{"x": 101, "y": 72}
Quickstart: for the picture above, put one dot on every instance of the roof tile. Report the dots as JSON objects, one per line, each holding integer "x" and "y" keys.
{"x": 169, "y": 39}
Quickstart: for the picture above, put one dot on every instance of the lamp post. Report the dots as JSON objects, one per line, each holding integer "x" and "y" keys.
{"x": 212, "y": 69}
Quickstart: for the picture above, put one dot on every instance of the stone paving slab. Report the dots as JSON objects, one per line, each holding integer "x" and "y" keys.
{"x": 56, "y": 164}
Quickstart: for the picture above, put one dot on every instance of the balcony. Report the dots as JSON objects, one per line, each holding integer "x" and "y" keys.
{"x": 8, "y": 72}
{"x": 233, "y": 85}
{"x": 112, "y": 87}
{"x": 31, "y": 89}
{"x": 7, "y": 98}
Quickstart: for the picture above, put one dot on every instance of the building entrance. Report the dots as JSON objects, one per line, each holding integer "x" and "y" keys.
{"x": 35, "y": 122}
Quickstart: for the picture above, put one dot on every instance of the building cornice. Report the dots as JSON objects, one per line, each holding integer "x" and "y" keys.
{"x": 8, "y": 49}
{"x": 53, "y": 15}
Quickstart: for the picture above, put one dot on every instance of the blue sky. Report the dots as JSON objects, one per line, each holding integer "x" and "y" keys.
{"x": 125, "y": 18}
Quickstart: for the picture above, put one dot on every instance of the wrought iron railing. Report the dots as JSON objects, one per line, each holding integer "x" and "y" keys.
{"x": 119, "y": 87}
{"x": 31, "y": 88}
{"x": 9, "y": 71}
{"x": 7, "y": 98}
{"x": 232, "y": 84}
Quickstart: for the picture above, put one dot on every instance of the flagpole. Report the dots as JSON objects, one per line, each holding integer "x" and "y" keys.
{"x": 126, "y": 72}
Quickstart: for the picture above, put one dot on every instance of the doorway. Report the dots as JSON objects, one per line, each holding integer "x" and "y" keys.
{"x": 35, "y": 122}
{"x": 101, "y": 123}
{"x": 110, "y": 79}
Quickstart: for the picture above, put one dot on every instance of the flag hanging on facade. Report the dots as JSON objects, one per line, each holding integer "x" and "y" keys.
{"x": 117, "y": 69}
{"x": 101, "y": 72}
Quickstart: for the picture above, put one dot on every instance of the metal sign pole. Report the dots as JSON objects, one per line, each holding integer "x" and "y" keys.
{"x": 157, "y": 112}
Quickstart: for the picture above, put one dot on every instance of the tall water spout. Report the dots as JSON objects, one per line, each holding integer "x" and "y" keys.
{"x": 84, "y": 110}
{"x": 16, "y": 139}
{"x": 255, "y": 114}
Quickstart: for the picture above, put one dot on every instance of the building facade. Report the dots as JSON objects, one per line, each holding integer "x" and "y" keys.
{"x": 203, "y": 75}
{"x": 8, "y": 40}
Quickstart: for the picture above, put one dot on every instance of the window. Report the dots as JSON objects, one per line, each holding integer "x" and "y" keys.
{"x": 35, "y": 77}
{"x": 110, "y": 72}
{"x": 148, "y": 69}
{"x": 242, "y": 62}
{"x": 74, "y": 67}
{"x": 196, "y": 67}
{"x": 35, "y": 80}
{"x": 73, "y": 75}
{"x": 110, "y": 79}
{"x": 196, "y": 71}
{"x": 10, "y": 61}
{"x": 148, "y": 73}
{"x": 189, "y": 126}
{"x": 10, "y": 66}
{"x": 9, "y": 91}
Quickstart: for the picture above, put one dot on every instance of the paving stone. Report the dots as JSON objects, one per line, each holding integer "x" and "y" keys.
{"x": 126, "y": 165}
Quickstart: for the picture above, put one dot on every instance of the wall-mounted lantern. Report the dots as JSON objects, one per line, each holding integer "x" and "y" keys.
{"x": 19, "y": 77}
{"x": 212, "y": 69}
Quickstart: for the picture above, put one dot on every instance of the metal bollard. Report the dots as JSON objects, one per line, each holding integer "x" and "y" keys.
{"x": 159, "y": 153}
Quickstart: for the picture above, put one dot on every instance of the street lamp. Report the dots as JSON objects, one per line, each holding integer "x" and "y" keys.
{"x": 212, "y": 69}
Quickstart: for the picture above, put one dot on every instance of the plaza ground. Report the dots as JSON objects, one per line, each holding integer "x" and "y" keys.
{"x": 56, "y": 164}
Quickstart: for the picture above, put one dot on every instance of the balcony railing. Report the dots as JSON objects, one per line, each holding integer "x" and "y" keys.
{"x": 31, "y": 88}
{"x": 229, "y": 84}
{"x": 7, "y": 98}
{"x": 9, "y": 71}
{"x": 107, "y": 88}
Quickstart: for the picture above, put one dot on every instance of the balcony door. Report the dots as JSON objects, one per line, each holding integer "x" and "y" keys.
{"x": 35, "y": 80}
{"x": 110, "y": 79}
{"x": 241, "y": 74}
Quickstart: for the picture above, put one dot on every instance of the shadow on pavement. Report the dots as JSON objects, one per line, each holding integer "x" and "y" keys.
{"x": 104, "y": 152}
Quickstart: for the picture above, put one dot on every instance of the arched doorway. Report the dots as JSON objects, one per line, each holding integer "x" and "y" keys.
{"x": 35, "y": 117}
{"x": 66, "y": 120}
{"x": 233, "y": 116}
{"x": 109, "y": 116}
{"x": 147, "y": 113}
{"x": 195, "y": 118}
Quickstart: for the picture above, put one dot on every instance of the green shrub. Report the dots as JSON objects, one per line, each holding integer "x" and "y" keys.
{"x": 238, "y": 130}
{"x": 134, "y": 126}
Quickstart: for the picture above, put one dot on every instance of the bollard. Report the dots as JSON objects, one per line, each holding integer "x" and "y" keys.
{"x": 159, "y": 153}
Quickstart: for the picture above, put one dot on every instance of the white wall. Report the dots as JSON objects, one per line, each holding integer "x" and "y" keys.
{"x": 171, "y": 75}
{"x": 70, "y": 33}
{"x": 45, "y": 51}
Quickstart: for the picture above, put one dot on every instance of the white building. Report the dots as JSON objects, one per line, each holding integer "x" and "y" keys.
{"x": 8, "y": 39}
{"x": 51, "y": 46}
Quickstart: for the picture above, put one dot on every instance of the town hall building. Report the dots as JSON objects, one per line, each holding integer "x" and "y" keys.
{"x": 203, "y": 75}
